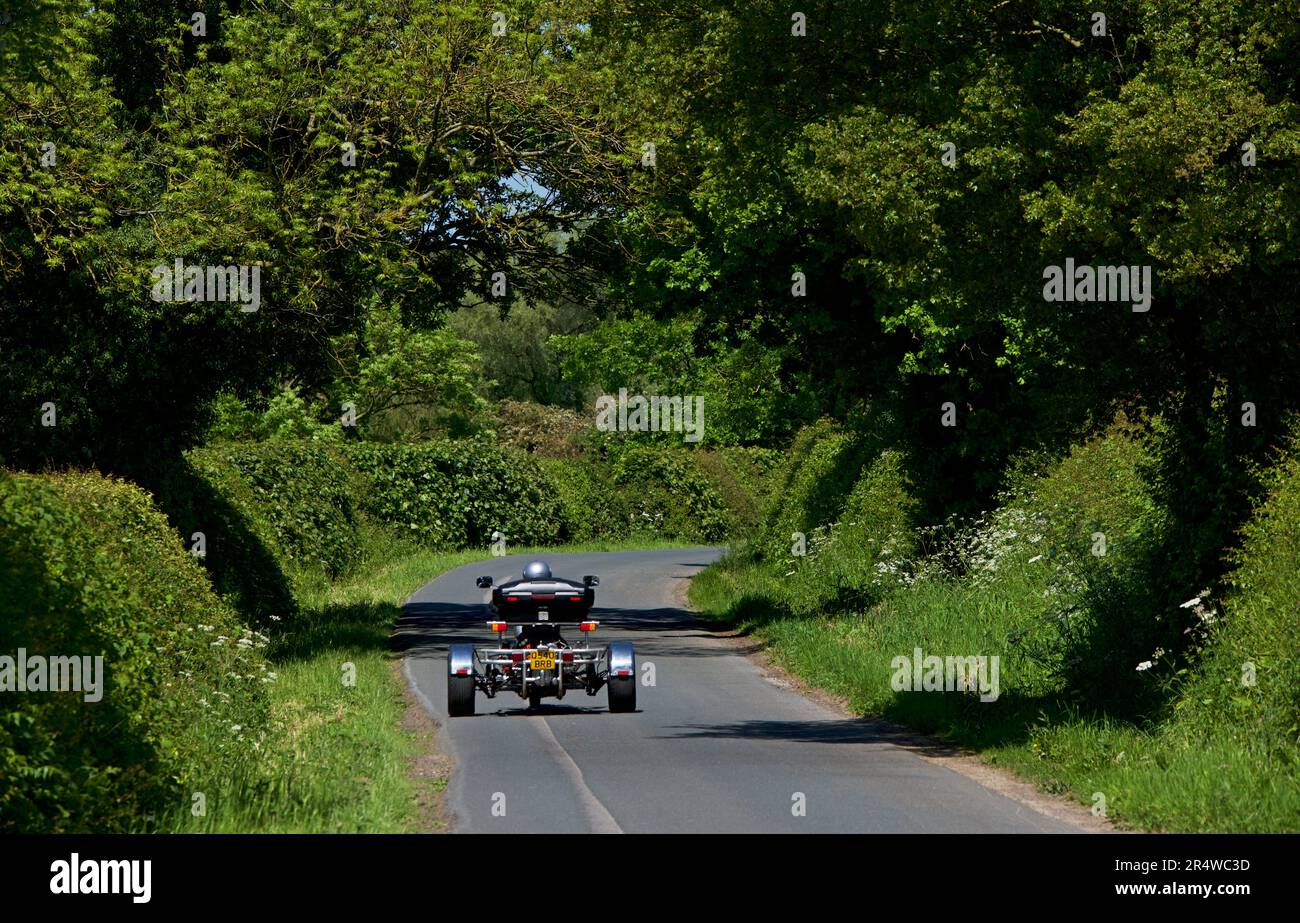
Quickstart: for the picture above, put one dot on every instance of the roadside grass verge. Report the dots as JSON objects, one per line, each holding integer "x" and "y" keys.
{"x": 1162, "y": 774}
{"x": 1169, "y": 705}
{"x": 335, "y": 757}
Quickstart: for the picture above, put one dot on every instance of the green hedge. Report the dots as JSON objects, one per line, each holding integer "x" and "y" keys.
{"x": 810, "y": 488}
{"x": 1087, "y": 540}
{"x": 273, "y": 514}
{"x": 593, "y": 507}
{"x": 868, "y": 551}
{"x": 280, "y": 515}
{"x": 742, "y": 476}
{"x": 667, "y": 494}
{"x": 1260, "y": 626}
{"x": 88, "y": 567}
{"x": 455, "y": 494}
{"x": 299, "y": 496}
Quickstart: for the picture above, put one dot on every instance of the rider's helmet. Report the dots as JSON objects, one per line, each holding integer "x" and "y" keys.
{"x": 537, "y": 570}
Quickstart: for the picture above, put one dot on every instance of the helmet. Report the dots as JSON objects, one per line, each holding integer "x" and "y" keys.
{"x": 537, "y": 570}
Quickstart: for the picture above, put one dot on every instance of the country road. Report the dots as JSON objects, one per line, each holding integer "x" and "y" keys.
{"x": 715, "y": 746}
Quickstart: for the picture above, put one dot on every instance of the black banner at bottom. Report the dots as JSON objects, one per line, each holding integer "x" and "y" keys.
{"x": 558, "y": 873}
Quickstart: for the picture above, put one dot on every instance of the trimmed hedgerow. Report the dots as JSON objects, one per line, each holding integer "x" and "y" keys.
{"x": 592, "y": 506}
{"x": 273, "y": 514}
{"x": 90, "y": 568}
{"x": 810, "y": 489}
{"x": 742, "y": 477}
{"x": 454, "y": 494}
{"x": 299, "y": 494}
{"x": 667, "y": 494}
{"x": 853, "y": 562}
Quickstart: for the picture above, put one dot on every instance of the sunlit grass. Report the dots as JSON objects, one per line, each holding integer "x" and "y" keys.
{"x": 1177, "y": 773}
{"x": 335, "y": 758}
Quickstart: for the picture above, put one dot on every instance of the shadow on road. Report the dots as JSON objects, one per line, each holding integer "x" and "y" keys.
{"x": 848, "y": 731}
{"x": 427, "y": 628}
{"x": 508, "y": 705}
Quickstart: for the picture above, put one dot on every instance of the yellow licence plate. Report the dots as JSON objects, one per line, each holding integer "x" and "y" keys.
{"x": 542, "y": 660}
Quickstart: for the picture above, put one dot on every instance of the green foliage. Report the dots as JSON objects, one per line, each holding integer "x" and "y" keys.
{"x": 1258, "y": 626}
{"x": 593, "y": 507}
{"x": 858, "y": 540}
{"x": 547, "y": 432}
{"x": 229, "y": 149}
{"x": 233, "y": 421}
{"x": 742, "y": 476}
{"x": 275, "y": 516}
{"x": 1082, "y": 620}
{"x": 287, "y": 417}
{"x": 457, "y": 494}
{"x": 667, "y": 495}
{"x": 820, "y": 469}
{"x": 924, "y": 277}
{"x": 91, "y": 568}
{"x": 283, "y": 515}
{"x": 298, "y": 496}
{"x": 801, "y": 250}
{"x": 641, "y": 353}
{"x": 1094, "y": 521}
{"x": 866, "y": 552}
{"x": 518, "y": 357}
{"x": 746, "y": 399}
{"x": 410, "y": 384}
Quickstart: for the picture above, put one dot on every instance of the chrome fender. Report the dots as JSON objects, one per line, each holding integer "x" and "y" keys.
{"x": 460, "y": 657}
{"x": 622, "y": 661}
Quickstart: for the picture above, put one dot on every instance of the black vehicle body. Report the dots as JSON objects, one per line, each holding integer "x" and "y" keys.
{"x": 548, "y": 600}
{"x": 539, "y": 662}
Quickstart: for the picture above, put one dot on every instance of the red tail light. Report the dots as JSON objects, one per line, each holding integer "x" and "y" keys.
{"x": 497, "y": 626}
{"x": 587, "y": 626}
{"x": 567, "y": 657}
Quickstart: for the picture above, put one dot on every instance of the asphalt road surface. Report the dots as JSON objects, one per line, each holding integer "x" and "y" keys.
{"x": 715, "y": 746}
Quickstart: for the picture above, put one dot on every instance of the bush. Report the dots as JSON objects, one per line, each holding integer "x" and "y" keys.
{"x": 91, "y": 568}
{"x": 549, "y": 432}
{"x": 667, "y": 495}
{"x": 742, "y": 476}
{"x": 1088, "y": 537}
{"x": 287, "y": 415}
{"x": 821, "y": 468}
{"x": 869, "y": 550}
{"x": 1259, "y": 627}
{"x": 456, "y": 494}
{"x": 273, "y": 514}
{"x": 592, "y": 507}
{"x": 298, "y": 496}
